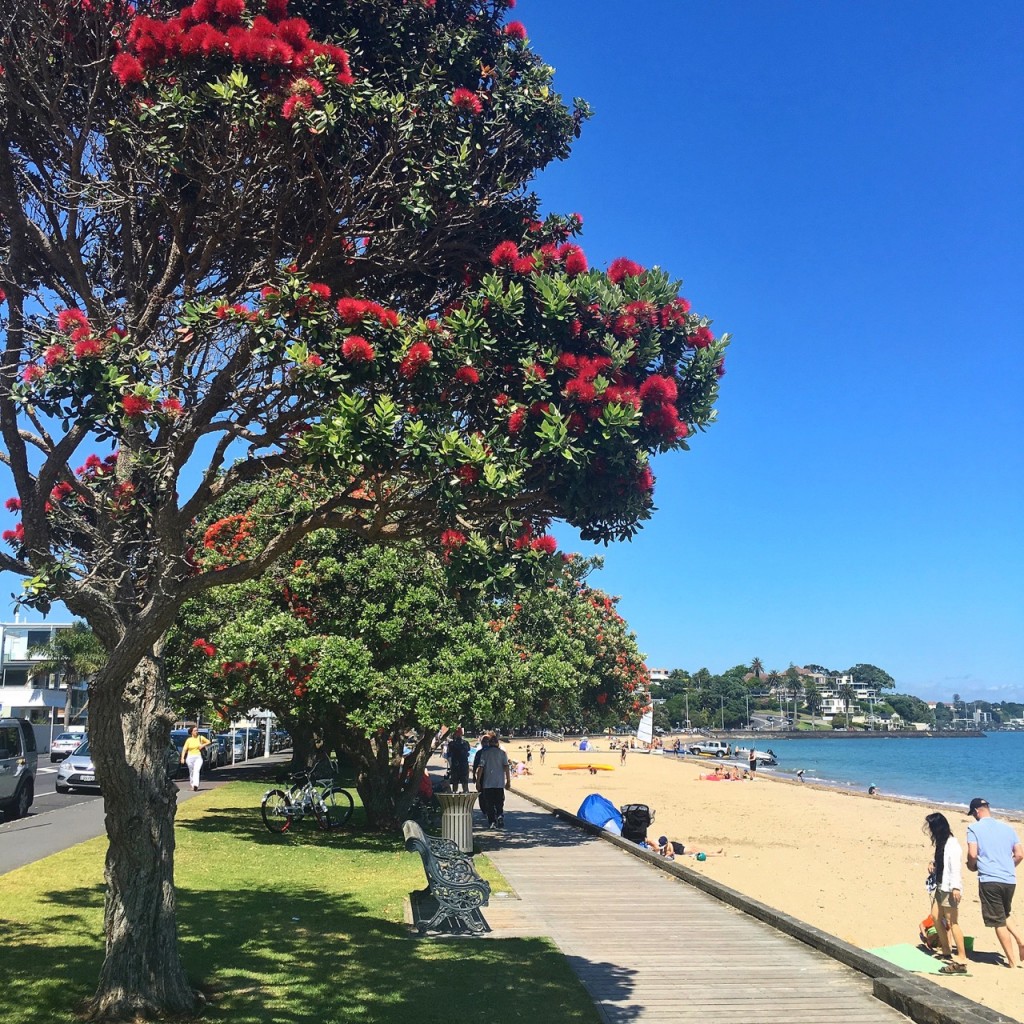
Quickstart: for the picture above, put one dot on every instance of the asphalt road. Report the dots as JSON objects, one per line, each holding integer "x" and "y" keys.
{"x": 58, "y": 821}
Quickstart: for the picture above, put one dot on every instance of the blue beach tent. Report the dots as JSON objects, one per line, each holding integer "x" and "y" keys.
{"x": 600, "y": 811}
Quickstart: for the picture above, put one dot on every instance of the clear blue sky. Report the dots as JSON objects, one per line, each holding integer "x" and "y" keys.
{"x": 839, "y": 186}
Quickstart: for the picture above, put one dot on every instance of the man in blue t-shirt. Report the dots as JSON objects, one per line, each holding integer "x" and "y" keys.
{"x": 994, "y": 851}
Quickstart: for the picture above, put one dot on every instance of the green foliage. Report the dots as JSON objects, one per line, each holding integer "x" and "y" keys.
{"x": 367, "y": 645}
{"x": 872, "y": 675}
{"x": 910, "y": 708}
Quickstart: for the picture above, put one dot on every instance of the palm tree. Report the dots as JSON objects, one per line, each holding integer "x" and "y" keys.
{"x": 757, "y": 667}
{"x": 72, "y": 655}
{"x": 847, "y": 692}
{"x": 773, "y": 679}
{"x": 812, "y": 698}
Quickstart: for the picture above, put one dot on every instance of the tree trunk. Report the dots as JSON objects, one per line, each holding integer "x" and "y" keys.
{"x": 386, "y": 780}
{"x": 142, "y": 975}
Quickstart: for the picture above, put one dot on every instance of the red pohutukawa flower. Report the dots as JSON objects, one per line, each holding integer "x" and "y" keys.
{"x": 216, "y": 28}
{"x": 55, "y": 354}
{"x": 504, "y": 254}
{"x": 546, "y": 544}
{"x": 467, "y": 475}
{"x": 464, "y": 99}
{"x": 88, "y": 348}
{"x": 452, "y": 539}
{"x": 623, "y": 268}
{"x": 516, "y": 421}
{"x": 581, "y": 390}
{"x": 575, "y": 261}
{"x": 644, "y": 481}
{"x": 701, "y": 338}
{"x": 136, "y": 405}
{"x": 515, "y": 30}
{"x": 13, "y": 504}
{"x": 418, "y": 356}
{"x": 321, "y": 291}
{"x": 657, "y": 389}
{"x": 171, "y": 406}
{"x": 32, "y": 372}
{"x": 128, "y": 70}
{"x": 70, "y": 319}
{"x": 467, "y": 375}
{"x": 357, "y": 349}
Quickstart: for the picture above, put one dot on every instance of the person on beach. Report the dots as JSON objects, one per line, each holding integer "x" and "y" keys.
{"x": 192, "y": 755}
{"x": 492, "y": 779}
{"x": 994, "y": 851}
{"x": 458, "y": 761}
{"x": 800, "y": 775}
{"x": 543, "y": 753}
{"x": 622, "y": 755}
{"x": 752, "y": 763}
{"x": 945, "y": 868}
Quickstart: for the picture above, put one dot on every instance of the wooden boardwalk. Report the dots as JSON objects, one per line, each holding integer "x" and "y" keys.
{"x": 651, "y": 949}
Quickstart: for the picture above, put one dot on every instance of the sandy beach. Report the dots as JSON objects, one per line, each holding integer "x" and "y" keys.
{"x": 848, "y": 863}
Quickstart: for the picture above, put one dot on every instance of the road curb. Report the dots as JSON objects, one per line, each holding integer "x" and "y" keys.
{"x": 919, "y": 1000}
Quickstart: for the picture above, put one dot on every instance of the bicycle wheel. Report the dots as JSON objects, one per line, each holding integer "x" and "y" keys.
{"x": 333, "y": 808}
{"x": 277, "y": 811}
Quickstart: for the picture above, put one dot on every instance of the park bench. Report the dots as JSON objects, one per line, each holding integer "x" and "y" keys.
{"x": 454, "y": 894}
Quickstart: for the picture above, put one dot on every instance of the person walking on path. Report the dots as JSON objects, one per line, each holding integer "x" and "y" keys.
{"x": 994, "y": 851}
{"x": 458, "y": 761}
{"x": 945, "y": 869}
{"x": 492, "y": 779}
{"x": 192, "y": 755}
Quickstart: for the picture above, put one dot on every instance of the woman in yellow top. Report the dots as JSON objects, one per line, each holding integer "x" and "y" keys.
{"x": 192, "y": 755}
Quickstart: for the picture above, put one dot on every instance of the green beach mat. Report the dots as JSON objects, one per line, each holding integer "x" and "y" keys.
{"x": 910, "y": 958}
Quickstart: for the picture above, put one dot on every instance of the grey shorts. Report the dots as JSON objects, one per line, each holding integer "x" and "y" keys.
{"x": 996, "y": 902}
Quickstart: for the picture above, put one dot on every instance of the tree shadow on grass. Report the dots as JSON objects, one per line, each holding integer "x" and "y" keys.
{"x": 286, "y": 953}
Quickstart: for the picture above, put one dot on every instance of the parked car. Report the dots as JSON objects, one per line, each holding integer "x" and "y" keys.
{"x": 710, "y": 748}
{"x": 18, "y": 762}
{"x": 77, "y": 770}
{"x": 236, "y": 742}
{"x": 63, "y": 744}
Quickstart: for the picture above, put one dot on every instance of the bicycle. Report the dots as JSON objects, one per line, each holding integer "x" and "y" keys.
{"x": 329, "y": 804}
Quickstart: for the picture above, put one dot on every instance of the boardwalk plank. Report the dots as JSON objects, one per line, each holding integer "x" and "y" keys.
{"x": 649, "y": 948}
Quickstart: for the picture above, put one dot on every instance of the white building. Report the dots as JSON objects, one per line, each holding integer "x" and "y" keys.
{"x": 40, "y": 699}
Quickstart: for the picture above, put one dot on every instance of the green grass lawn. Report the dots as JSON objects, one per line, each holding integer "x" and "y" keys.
{"x": 278, "y": 930}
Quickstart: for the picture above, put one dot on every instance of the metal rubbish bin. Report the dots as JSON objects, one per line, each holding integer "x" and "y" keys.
{"x": 457, "y": 819}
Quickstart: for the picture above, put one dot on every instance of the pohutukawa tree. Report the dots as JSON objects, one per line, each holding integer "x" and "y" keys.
{"x": 244, "y": 236}
{"x": 366, "y": 644}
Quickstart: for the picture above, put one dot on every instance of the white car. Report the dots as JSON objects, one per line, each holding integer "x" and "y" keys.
{"x": 710, "y": 748}
{"x": 77, "y": 771}
{"x": 64, "y": 744}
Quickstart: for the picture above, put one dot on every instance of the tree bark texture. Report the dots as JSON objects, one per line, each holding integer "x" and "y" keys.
{"x": 142, "y": 975}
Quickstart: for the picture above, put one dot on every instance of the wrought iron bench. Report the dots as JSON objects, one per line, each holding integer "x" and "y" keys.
{"x": 454, "y": 894}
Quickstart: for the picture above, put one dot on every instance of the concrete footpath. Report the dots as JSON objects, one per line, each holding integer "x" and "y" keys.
{"x": 649, "y": 946}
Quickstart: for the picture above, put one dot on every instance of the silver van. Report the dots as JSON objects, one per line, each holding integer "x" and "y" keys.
{"x": 18, "y": 759}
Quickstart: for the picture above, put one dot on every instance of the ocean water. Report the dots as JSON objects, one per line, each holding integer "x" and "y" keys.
{"x": 941, "y": 771}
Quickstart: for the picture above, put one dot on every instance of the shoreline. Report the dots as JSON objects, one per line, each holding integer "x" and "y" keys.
{"x": 844, "y": 862}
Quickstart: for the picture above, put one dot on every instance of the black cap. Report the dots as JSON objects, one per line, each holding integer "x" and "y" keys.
{"x": 978, "y": 801}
